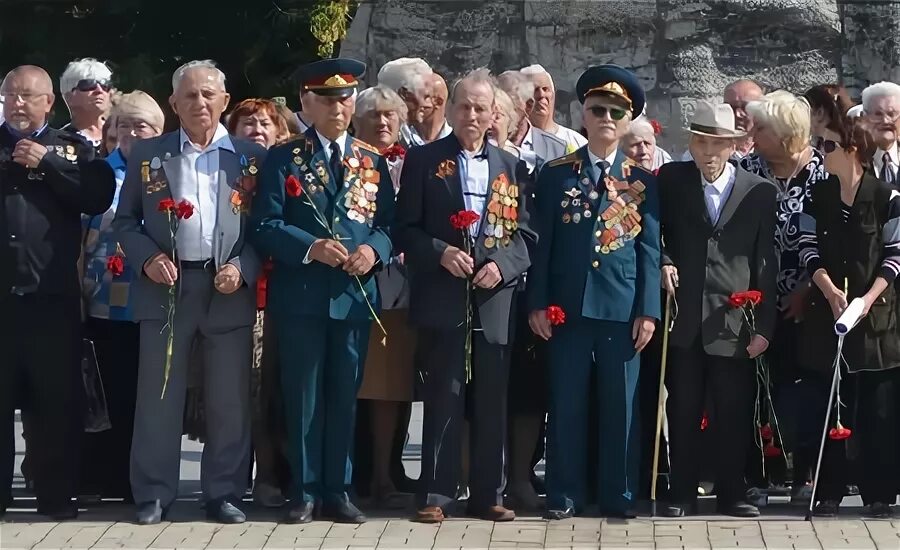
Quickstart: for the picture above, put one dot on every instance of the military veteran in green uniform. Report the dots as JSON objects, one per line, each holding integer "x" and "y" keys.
{"x": 597, "y": 259}
{"x": 325, "y": 202}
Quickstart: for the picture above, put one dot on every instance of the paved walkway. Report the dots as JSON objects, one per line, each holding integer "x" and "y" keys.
{"x": 462, "y": 534}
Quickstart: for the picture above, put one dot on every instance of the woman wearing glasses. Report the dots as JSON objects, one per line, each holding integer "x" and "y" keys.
{"x": 85, "y": 87}
{"x": 109, "y": 317}
{"x": 851, "y": 249}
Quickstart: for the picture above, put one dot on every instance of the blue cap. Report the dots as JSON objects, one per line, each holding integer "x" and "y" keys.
{"x": 331, "y": 77}
{"x": 614, "y": 81}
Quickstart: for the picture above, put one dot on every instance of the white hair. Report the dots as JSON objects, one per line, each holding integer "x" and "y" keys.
{"x": 787, "y": 115}
{"x": 533, "y": 70}
{"x": 83, "y": 69}
{"x": 481, "y": 75}
{"x": 855, "y": 111}
{"x": 505, "y": 103}
{"x": 380, "y": 98}
{"x": 517, "y": 85}
{"x": 407, "y": 72}
{"x": 877, "y": 91}
{"x": 207, "y": 64}
{"x": 641, "y": 125}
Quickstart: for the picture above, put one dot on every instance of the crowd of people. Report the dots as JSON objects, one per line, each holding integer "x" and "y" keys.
{"x": 285, "y": 285}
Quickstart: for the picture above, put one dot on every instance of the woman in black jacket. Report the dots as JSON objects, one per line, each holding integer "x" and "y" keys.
{"x": 852, "y": 250}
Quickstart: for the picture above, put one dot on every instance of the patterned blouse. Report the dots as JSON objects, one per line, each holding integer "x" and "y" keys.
{"x": 794, "y": 198}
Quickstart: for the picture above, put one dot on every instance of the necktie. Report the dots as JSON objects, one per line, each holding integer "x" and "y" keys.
{"x": 336, "y": 163}
{"x": 601, "y": 168}
{"x": 887, "y": 175}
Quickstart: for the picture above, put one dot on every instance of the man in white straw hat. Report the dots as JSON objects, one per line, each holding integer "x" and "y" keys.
{"x": 718, "y": 230}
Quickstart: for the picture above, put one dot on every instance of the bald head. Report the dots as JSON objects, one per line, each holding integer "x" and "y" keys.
{"x": 27, "y": 97}
{"x": 738, "y": 94}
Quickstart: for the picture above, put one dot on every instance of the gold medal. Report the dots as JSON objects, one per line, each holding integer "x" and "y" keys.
{"x": 566, "y": 218}
{"x": 253, "y": 170}
{"x": 490, "y": 242}
{"x": 492, "y": 218}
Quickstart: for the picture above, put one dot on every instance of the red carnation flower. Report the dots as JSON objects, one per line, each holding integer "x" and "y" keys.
{"x": 166, "y": 205}
{"x": 184, "y": 210}
{"x": 292, "y": 186}
{"x": 657, "y": 127}
{"x": 115, "y": 265}
{"x": 394, "y": 152}
{"x": 463, "y": 219}
{"x": 765, "y": 432}
{"x": 740, "y": 299}
{"x": 771, "y": 451}
{"x": 704, "y": 422}
{"x": 556, "y": 315}
{"x": 839, "y": 432}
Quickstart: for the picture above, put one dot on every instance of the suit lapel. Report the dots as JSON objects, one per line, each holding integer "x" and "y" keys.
{"x": 228, "y": 218}
{"x": 453, "y": 179}
{"x": 318, "y": 162}
{"x": 170, "y": 149}
{"x": 696, "y": 194}
{"x": 738, "y": 191}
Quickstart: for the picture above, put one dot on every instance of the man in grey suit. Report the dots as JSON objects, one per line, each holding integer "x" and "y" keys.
{"x": 718, "y": 230}
{"x": 537, "y": 145}
{"x": 212, "y": 272}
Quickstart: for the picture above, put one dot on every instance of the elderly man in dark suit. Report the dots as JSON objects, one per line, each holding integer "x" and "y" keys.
{"x": 718, "y": 227}
{"x": 448, "y": 267}
{"x": 212, "y": 270}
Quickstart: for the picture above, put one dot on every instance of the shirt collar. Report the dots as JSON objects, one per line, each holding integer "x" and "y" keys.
{"x": 721, "y": 182}
{"x": 117, "y": 160}
{"x": 326, "y": 144}
{"x": 17, "y": 135}
{"x": 220, "y": 140}
{"x": 610, "y": 160}
{"x": 528, "y": 140}
{"x": 892, "y": 152}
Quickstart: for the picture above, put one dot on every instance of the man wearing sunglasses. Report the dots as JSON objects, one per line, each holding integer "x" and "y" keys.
{"x": 597, "y": 258}
{"x": 86, "y": 88}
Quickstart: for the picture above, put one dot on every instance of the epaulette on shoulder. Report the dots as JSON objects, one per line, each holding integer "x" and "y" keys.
{"x": 363, "y": 145}
{"x": 632, "y": 166}
{"x": 294, "y": 138}
{"x": 571, "y": 158}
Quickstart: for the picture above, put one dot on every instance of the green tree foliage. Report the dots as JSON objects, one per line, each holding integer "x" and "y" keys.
{"x": 257, "y": 43}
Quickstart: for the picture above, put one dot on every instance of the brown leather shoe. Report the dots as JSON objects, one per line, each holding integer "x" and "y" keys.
{"x": 494, "y": 513}
{"x": 429, "y": 514}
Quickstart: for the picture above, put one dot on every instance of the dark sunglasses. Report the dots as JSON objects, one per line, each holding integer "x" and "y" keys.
{"x": 826, "y": 146}
{"x": 600, "y": 111}
{"x": 89, "y": 84}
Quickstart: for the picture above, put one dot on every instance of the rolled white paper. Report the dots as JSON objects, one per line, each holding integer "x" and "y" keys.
{"x": 849, "y": 317}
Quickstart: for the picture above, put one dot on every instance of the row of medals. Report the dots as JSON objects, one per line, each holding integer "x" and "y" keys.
{"x": 575, "y": 199}
{"x": 501, "y": 224}
{"x": 360, "y": 198}
{"x": 309, "y": 177}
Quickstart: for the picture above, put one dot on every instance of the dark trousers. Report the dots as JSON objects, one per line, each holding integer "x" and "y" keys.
{"x": 878, "y": 429}
{"x": 445, "y": 395}
{"x": 732, "y": 387}
{"x": 41, "y": 337}
{"x": 105, "y": 460}
{"x": 321, "y": 364}
{"x": 577, "y": 349}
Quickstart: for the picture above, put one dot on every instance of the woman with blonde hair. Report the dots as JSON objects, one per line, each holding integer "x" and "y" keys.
{"x": 784, "y": 156}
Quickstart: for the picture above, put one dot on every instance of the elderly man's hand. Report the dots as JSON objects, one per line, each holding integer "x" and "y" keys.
{"x": 361, "y": 261}
{"x": 28, "y": 153}
{"x": 161, "y": 270}
{"x": 329, "y": 252}
{"x": 228, "y": 279}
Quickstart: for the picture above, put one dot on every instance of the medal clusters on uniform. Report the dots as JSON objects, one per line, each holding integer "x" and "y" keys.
{"x": 502, "y": 213}
{"x": 245, "y": 186}
{"x": 150, "y": 174}
{"x": 67, "y": 152}
{"x": 361, "y": 180}
{"x": 621, "y": 220}
{"x": 308, "y": 176}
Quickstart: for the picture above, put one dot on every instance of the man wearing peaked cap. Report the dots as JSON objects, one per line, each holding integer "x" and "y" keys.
{"x": 324, "y": 204}
{"x": 597, "y": 258}
{"x": 718, "y": 232}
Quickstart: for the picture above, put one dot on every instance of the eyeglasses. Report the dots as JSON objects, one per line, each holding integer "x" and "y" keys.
{"x": 600, "y": 111}
{"x": 826, "y": 146}
{"x": 20, "y": 97}
{"x": 88, "y": 84}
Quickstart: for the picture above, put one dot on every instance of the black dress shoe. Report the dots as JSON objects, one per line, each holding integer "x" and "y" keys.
{"x": 151, "y": 513}
{"x": 59, "y": 512}
{"x": 559, "y": 514}
{"x": 673, "y": 511}
{"x": 826, "y": 509}
{"x": 300, "y": 513}
{"x": 739, "y": 510}
{"x": 222, "y": 511}
{"x": 343, "y": 512}
{"x": 878, "y": 510}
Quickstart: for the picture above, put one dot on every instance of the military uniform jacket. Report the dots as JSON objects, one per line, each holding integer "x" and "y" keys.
{"x": 716, "y": 259}
{"x": 299, "y": 202}
{"x": 155, "y": 168}
{"x": 40, "y": 218}
{"x": 430, "y": 192}
{"x": 598, "y": 248}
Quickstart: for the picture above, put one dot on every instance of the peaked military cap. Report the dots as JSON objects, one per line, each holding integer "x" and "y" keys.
{"x": 336, "y": 77}
{"x": 614, "y": 81}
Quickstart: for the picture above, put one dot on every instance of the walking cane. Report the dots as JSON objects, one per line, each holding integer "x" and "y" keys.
{"x": 660, "y": 403}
